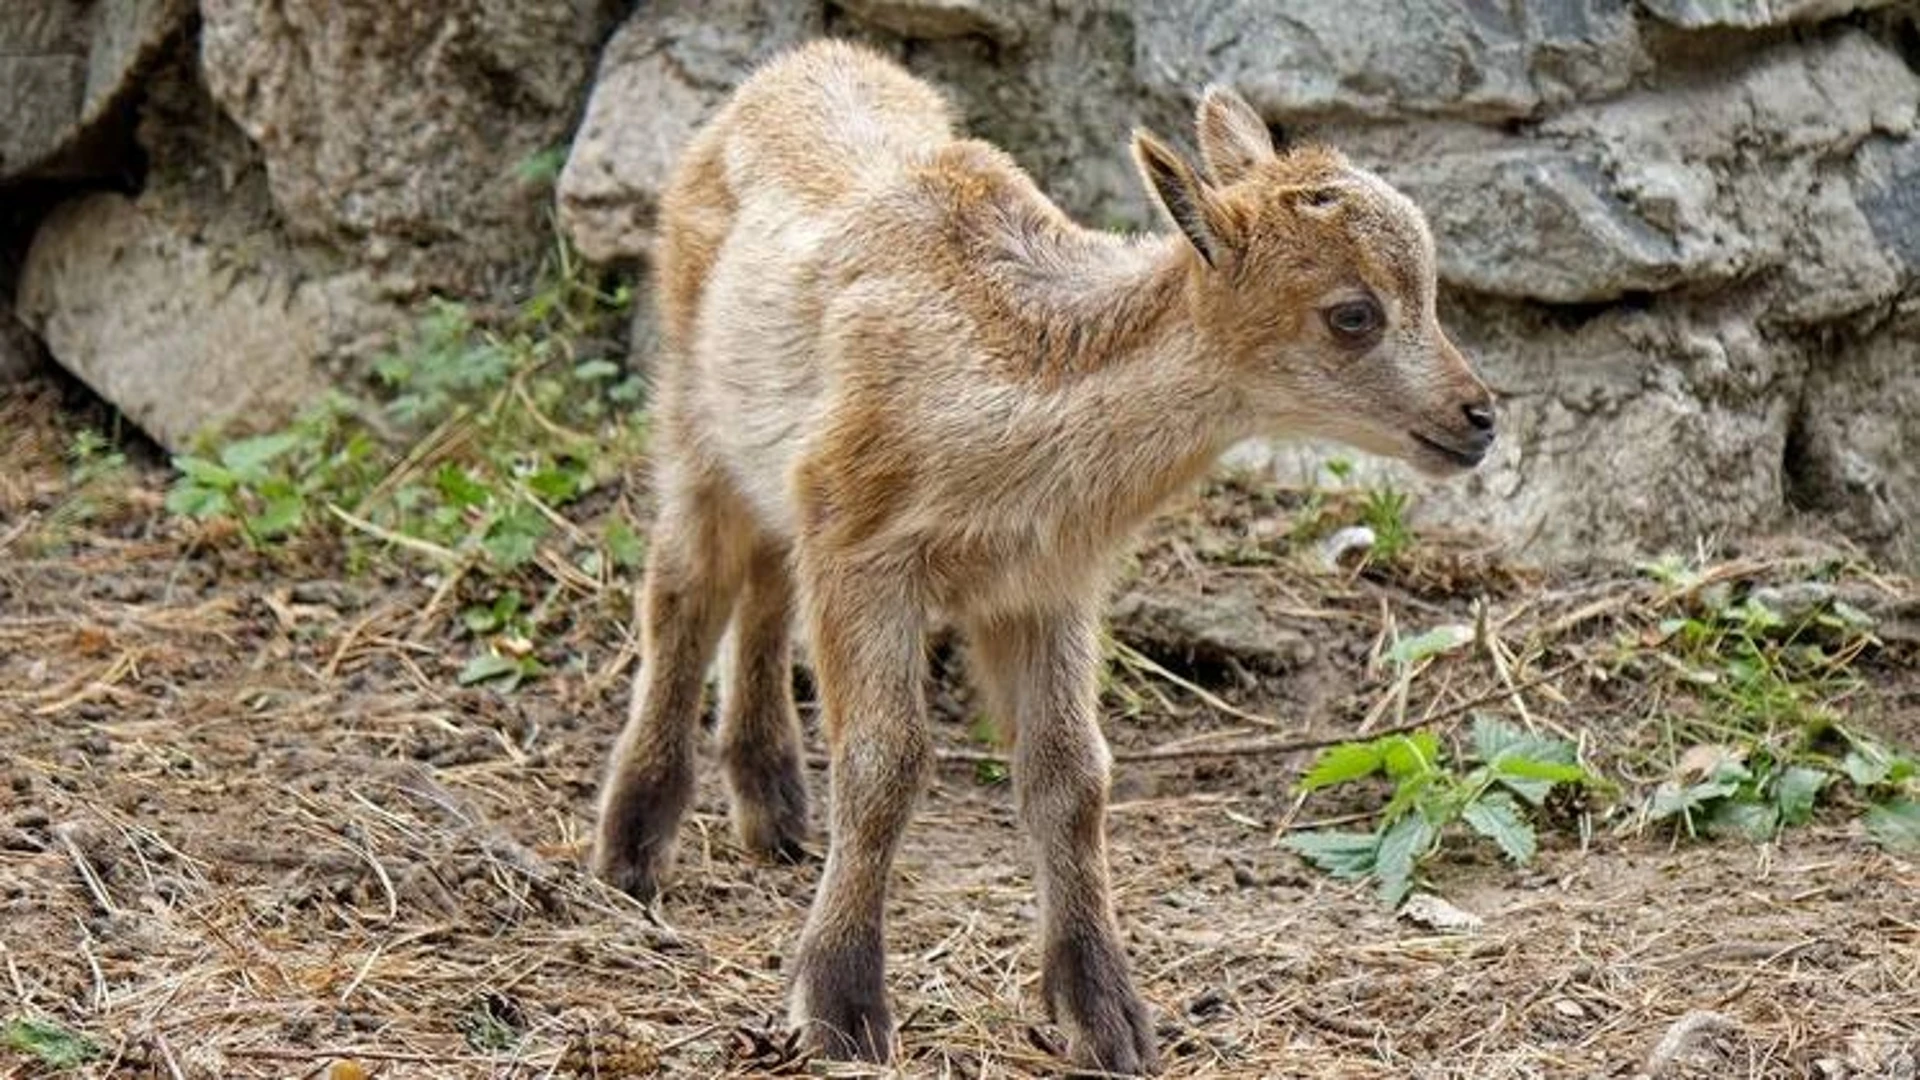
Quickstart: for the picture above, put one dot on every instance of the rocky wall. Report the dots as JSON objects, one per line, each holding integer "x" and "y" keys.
{"x": 1680, "y": 236}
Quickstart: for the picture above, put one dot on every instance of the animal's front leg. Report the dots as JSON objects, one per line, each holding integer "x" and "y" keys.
{"x": 1041, "y": 672}
{"x": 869, "y": 660}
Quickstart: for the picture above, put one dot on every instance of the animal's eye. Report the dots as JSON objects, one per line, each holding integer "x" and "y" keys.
{"x": 1354, "y": 320}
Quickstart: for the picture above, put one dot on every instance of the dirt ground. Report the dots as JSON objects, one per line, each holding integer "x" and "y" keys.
{"x": 250, "y": 826}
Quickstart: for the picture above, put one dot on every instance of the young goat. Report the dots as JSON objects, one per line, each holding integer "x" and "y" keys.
{"x": 897, "y": 382}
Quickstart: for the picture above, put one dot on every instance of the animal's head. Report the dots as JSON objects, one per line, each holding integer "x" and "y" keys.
{"x": 1317, "y": 285}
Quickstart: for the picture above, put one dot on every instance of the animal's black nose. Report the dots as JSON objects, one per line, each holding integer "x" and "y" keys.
{"x": 1480, "y": 416}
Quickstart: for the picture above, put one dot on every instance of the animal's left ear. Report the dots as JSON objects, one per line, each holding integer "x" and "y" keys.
{"x": 1233, "y": 138}
{"x": 1190, "y": 202}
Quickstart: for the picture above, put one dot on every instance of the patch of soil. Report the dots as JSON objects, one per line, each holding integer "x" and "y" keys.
{"x": 250, "y": 826}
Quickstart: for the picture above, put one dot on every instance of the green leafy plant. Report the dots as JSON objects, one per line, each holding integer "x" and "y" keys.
{"x": 1755, "y": 793}
{"x": 1514, "y": 774}
{"x": 1385, "y": 512}
{"x": 48, "y": 1043}
{"x": 1754, "y": 733}
{"x": 483, "y": 436}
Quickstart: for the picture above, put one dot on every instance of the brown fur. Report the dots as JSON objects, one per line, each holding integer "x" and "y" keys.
{"x": 894, "y": 369}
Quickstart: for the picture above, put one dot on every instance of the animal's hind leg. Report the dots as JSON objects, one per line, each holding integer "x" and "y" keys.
{"x": 695, "y": 562}
{"x": 760, "y": 739}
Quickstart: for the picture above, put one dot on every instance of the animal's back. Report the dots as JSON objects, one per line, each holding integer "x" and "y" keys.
{"x": 815, "y": 127}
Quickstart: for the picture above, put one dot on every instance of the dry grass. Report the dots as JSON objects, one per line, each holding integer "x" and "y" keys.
{"x": 249, "y": 827}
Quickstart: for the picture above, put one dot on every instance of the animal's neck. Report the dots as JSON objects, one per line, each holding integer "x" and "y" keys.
{"x": 1146, "y": 409}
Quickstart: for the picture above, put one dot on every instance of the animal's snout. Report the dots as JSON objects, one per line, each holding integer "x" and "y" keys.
{"x": 1481, "y": 429}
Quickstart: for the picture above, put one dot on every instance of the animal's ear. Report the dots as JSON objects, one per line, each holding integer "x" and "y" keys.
{"x": 1188, "y": 200}
{"x": 1233, "y": 138}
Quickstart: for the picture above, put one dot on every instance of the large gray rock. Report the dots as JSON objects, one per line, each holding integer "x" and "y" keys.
{"x": 407, "y": 135}
{"x": 1381, "y": 58}
{"x": 1751, "y": 14}
{"x": 664, "y": 71}
{"x": 997, "y": 20}
{"x": 181, "y": 336}
{"x": 1540, "y": 222}
{"x": 63, "y": 65}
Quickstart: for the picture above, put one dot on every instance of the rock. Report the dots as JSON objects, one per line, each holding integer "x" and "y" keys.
{"x": 1542, "y": 223}
{"x": 1752, "y": 14}
{"x": 997, "y": 20}
{"x": 1852, "y": 461}
{"x": 1223, "y": 628}
{"x": 179, "y": 335}
{"x": 664, "y": 71}
{"x": 63, "y": 66}
{"x": 408, "y": 136}
{"x": 1379, "y": 58}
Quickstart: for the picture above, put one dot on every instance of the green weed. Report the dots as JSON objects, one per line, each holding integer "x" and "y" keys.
{"x": 48, "y": 1043}
{"x": 1514, "y": 773}
{"x": 482, "y": 434}
{"x": 1385, "y": 512}
{"x": 1756, "y": 737}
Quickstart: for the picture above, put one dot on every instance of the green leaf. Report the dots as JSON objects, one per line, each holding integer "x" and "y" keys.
{"x": 541, "y": 166}
{"x": 1495, "y": 817}
{"x": 1494, "y": 739}
{"x": 1409, "y": 792}
{"x": 484, "y": 666}
{"x": 1401, "y": 846}
{"x": 1348, "y": 761}
{"x": 1553, "y": 772}
{"x": 1413, "y": 754}
{"x": 205, "y": 472}
{"x": 1794, "y": 792}
{"x": 504, "y": 673}
{"x": 624, "y": 544}
{"x": 50, "y": 1044}
{"x": 1895, "y": 825}
{"x": 561, "y": 484}
{"x": 195, "y": 500}
{"x": 250, "y": 457}
{"x": 1867, "y": 763}
{"x": 1440, "y": 639}
{"x": 595, "y": 370}
{"x": 990, "y": 773}
{"x": 514, "y": 536}
{"x": 281, "y": 515}
{"x": 1342, "y": 854}
{"x": 1670, "y": 799}
{"x": 1757, "y": 821}
{"x": 627, "y": 390}
{"x": 458, "y": 486}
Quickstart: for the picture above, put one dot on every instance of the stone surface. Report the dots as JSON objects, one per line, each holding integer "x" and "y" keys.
{"x": 1188, "y": 630}
{"x": 1853, "y": 465}
{"x": 1381, "y": 58}
{"x": 663, "y": 72}
{"x": 63, "y": 66}
{"x": 1540, "y": 222}
{"x": 179, "y": 335}
{"x": 407, "y": 135}
{"x": 998, "y": 20}
{"x": 1750, "y": 14}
